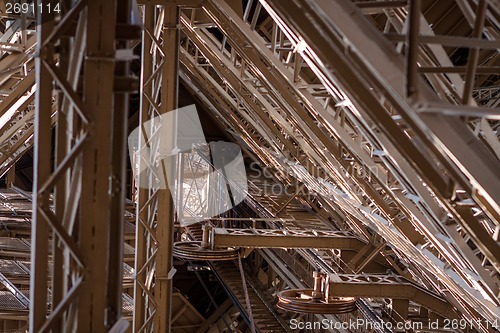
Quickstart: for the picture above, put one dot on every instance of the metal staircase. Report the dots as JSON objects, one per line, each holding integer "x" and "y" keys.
{"x": 263, "y": 314}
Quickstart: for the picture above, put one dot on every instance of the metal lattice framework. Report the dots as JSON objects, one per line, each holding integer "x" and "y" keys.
{"x": 155, "y": 223}
{"x": 85, "y": 226}
{"x": 378, "y": 121}
{"x": 277, "y": 106}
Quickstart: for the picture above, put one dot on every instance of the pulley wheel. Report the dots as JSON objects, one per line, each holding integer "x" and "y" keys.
{"x": 193, "y": 250}
{"x": 302, "y": 301}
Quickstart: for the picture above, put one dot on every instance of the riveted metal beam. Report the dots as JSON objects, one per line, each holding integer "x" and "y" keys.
{"x": 155, "y": 211}
{"x": 264, "y": 238}
{"x": 380, "y": 286}
{"x": 86, "y": 284}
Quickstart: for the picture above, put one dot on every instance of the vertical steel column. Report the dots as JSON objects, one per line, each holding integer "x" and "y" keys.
{"x": 412, "y": 49}
{"x": 95, "y": 202}
{"x": 142, "y": 194}
{"x": 400, "y": 310}
{"x": 155, "y": 210}
{"x": 60, "y": 191}
{"x": 41, "y": 173}
{"x": 88, "y": 189}
{"x": 118, "y": 179}
{"x": 470, "y": 77}
{"x": 143, "y": 298}
{"x": 165, "y": 227}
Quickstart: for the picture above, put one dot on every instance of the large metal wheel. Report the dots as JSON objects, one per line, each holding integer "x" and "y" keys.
{"x": 194, "y": 251}
{"x": 302, "y": 301}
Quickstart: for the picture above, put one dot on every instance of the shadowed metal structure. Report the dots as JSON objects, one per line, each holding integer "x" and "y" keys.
{"x": 369, "y": 131}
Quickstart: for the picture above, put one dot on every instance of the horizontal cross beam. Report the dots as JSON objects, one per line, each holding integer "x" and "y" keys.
{"x": 267, "y": 238}
{"x": 381, "y": 286}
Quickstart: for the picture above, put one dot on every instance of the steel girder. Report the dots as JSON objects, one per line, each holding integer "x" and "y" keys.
{"x": 265, "y": 238}
{"x": 293, "y": 113}
{"x": 448, "y": 127}
{"x": 218, "y": 100}
{"x": 85, "y": 225}
{"x": 155, "y": 211}
{"x": 395, "y": 287}
{"x": 428, "y": 210}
